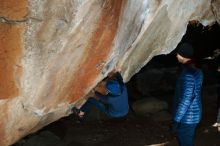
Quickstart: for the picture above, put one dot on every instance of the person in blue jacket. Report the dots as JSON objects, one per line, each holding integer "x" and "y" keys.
{"x": 111, "y": 98}
{"x": 187, "y": 107}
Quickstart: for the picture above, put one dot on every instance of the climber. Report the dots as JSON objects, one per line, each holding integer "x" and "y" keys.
{"x": 110, "y": 97}
{"x": 187, "y": 99}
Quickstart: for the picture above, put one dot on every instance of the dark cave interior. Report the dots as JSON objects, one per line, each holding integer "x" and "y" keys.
{"x": 206, "y": 42}
{"x": 136, "y": 130}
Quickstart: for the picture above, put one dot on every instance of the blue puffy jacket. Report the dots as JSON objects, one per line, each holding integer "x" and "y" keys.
{"x": 187, "y": 100}
{"x": 117, "y": 102}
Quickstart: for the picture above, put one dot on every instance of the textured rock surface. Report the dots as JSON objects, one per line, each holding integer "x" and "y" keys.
{"x": 216, "y": 8}
{"x": 53, "y": 52}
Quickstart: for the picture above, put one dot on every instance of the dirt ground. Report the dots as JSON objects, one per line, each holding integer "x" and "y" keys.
{"x": 132, "y": 130}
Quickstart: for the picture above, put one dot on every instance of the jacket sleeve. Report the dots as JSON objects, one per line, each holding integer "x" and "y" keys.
{"x": 187, "y": 97}
{"x": 103, "y": 98}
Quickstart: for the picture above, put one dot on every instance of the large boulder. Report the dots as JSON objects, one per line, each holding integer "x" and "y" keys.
{"x": 53, "y": 52}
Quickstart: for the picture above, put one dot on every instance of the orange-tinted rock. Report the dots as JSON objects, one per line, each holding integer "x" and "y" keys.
{"x": 13, "y": 9}
{"x": 97, "y": 49}
{"x": 10, "y": 53}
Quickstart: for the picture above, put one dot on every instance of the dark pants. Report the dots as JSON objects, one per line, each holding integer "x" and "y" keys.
{"x": 218, "y": 90}
{"x": 185, "y": 134}
{"x": 94, "y": 102}
{"x": 218, "y": 96}
{"x": 218, "y": 103}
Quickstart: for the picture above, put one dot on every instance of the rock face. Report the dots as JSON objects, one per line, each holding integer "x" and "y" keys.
{"x": 216, "y": 7}
{"x": 52, "y": 53}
